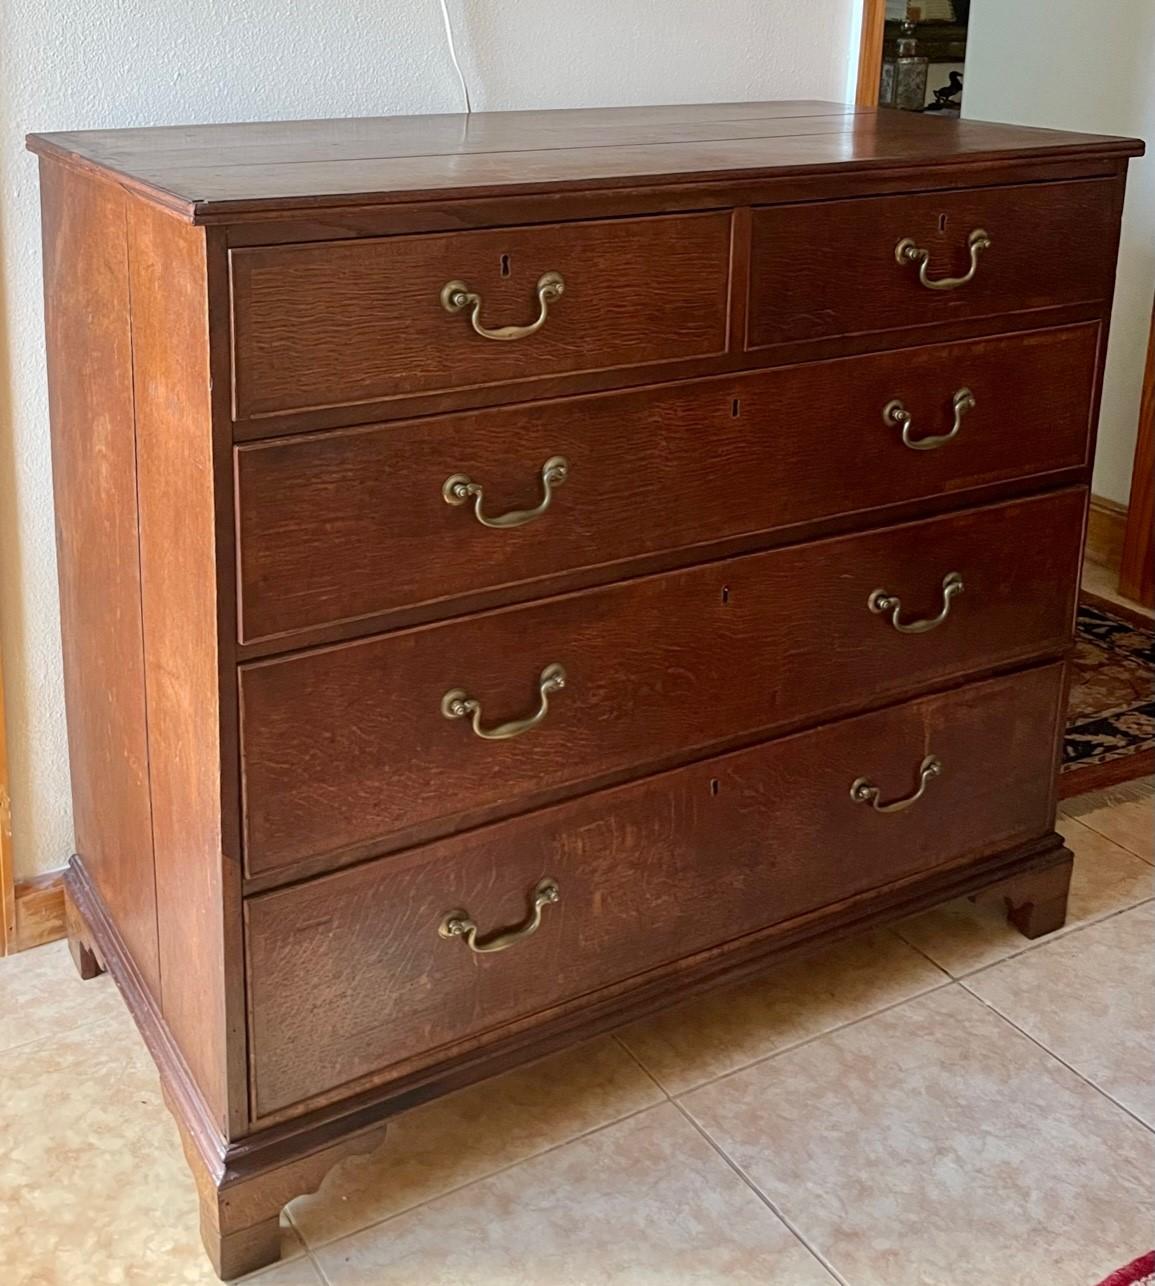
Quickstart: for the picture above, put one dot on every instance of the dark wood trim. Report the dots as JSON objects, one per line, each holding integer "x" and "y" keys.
{"x": 91, "y": 923}
{"x": 500, "y": 211}
{"x": 1137, "y": 557}
{"x": 1099, "y": 776}
{"x": 870, "y": 52}
{"x": 7, "y": 873}
{"x": 1022, "y": 151}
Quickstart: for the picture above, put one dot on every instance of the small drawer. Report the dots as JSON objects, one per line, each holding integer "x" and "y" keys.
{"x": 880, "y": 264}
{"x": 358, "y": 322}
{"x": 358, "y": 977}
{"x": 351, "y": 749}
{"x": 354, "y": 523}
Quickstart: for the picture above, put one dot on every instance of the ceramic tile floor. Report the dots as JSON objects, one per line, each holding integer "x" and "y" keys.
{"x": 944, "y": 1104}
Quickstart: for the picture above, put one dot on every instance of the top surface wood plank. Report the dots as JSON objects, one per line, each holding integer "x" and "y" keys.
{"x": 221, "y": 169}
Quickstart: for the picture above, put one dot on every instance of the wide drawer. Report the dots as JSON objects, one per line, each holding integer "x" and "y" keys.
{"x": 336, "y": 526}
{"x": 351, "y": 977}
{"x": 339, "y": 324}
{"x": 835, "y": 269}
{"x": 347, "y": 747}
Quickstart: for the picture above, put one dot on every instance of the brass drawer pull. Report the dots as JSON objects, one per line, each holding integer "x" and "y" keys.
{"x": 907, "y": 252}
{"x": 460, "y": 488}
{"x": 895, "y": 413}
{"x": 456, "y": 296}
{"x": 457, "y": 704}
{"x": 864, "y": 791}
{"x": 880, "y": 602}
{"x": 457, "y": 924}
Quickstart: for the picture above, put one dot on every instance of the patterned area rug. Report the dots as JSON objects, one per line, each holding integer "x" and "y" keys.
{"x": 1111, "y": 708}
{"x": 1139, "y": 1273}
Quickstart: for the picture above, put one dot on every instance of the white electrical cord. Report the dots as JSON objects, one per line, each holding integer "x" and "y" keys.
{"x": 453, "y": 55}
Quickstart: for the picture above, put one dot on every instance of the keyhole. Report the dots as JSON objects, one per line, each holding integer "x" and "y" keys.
{"x": 942, "y": 223}
{"x": 725, "y": 594}
{"x": 736, "y": 407}
{"x": 714, "y": 787}
{"x": 505, "y": 265}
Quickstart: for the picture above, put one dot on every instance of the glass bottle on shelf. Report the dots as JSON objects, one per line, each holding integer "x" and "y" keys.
{"x": 904, "y": 76}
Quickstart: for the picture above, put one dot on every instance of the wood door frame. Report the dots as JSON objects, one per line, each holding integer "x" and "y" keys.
{"x": 1137, "y": 563}
{"x": 870, "y": 52}
{"x": 7, "y": 873}
{"x": 32, "y": 909}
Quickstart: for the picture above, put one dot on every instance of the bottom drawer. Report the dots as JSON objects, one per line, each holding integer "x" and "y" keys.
{"x": 354, "y": 977}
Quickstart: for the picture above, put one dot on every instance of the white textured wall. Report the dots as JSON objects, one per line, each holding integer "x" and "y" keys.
{"x": 1074, "y": 64}
{"x": 86, "y": 64}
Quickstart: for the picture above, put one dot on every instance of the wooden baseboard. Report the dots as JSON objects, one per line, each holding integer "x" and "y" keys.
{"x": 39, "y": 911}
{"x": 1106, "y": 527}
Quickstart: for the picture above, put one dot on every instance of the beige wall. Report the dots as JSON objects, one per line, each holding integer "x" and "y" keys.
{"x": 68, "y": 64}
{"x": 1076, "y": 64}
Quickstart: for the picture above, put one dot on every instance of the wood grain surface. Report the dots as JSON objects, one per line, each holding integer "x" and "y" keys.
{"x": 348, "y": 975}
{"x": 94, "y": 478}
{"x": 198, "y": 887}
{"x": 361, "y": 321}
{"x": 256, "y": 399}
{"x": 1051, "y": 244}
{"x": 229, "y": 170}
{"x": 337, "y": 526}
{"x": 1137, "y": 561}
{"x": 346, "y": 748}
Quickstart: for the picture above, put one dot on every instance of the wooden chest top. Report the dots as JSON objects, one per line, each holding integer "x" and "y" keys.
{"x": 222, "y": 172}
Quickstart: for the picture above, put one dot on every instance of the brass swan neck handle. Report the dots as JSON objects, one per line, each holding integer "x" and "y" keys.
{"x": 458, "y": 924}
{"x": 460, "y": 488}
{"x": 864, "y": 791}
{"x": 457, "y": 704}
{"x": 896, "y": 413}
{"x": 908, "y": 252}
{"x": 880, "y": 602}
{"x": 456, "y": 297}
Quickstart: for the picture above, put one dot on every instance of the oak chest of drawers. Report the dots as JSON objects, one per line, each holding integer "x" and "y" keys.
{"x": 517, "y": 571}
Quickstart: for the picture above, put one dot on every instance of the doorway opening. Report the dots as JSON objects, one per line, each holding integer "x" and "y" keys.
{"x": 913, "y": 55}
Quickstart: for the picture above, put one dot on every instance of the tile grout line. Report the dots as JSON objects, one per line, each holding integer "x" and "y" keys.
{"x": 1109, "y": 838}
{"x": 286, "y": 1210}
{"x": 55, "y": 1036}
{"x": 621, "y": 1044}
{"x": 668, "y": 1097}
{"x": 897, "y": 931}
{"x": 469, "y": 1183}
{"x": 322, "y": 1276}
{"x": 1031, "y": 944}
{"x": 1060, "y": 935}
{"x": 255, "y": 1278}
{"x": 1079, "y": 821}
{"x": 998, "y": 1013}
{"x": 948, "y": 981}
{"x": 761, "y": 1196}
